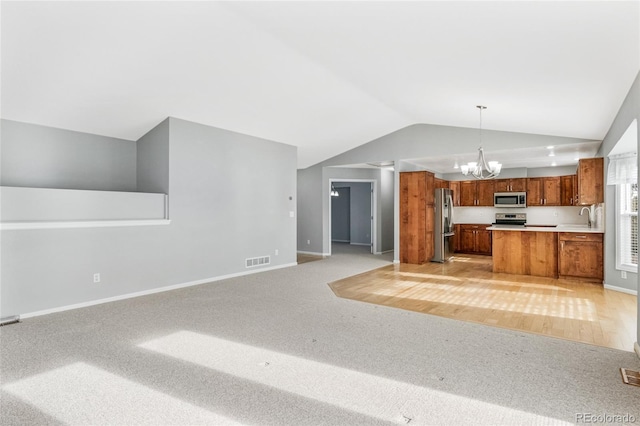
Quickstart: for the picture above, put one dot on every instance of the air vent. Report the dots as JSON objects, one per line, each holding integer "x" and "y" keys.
{"x": 258, "y": 261}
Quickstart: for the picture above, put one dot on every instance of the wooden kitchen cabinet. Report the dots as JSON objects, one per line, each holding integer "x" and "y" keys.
{"x": 581, "y": 256}
{"x": 543, "y": 191}
{"x": 525, "y": 253}
{"x": 454, "y": 186}
{"x": 440, "y": 183}
{"x": 456, "y": 238}
{"x": 590, "y": 181}
{"x": 474, "y": 238}
{"x": 511, "y": 185}
{"x": 416, "y": 217}
{"x": 568, "y": 190}
{"x": 477, "y": 192}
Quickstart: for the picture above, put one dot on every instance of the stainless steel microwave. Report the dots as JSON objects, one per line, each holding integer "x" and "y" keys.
{"x": 510, "y": 199}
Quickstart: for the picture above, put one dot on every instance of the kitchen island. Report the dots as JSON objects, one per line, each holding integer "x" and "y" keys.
{"x": 567, "y": 251}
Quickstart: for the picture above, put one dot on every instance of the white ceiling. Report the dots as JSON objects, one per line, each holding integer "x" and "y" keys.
{"x": 323, "y": 76}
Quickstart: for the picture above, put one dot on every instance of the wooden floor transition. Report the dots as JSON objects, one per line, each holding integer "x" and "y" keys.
{"x": 465, "y": 288}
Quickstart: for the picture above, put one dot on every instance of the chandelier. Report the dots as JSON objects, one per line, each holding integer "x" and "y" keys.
{"x": 481, "y": 169}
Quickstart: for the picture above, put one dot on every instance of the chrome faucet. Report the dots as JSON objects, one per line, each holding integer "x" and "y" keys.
{"x": 588, "y": 214}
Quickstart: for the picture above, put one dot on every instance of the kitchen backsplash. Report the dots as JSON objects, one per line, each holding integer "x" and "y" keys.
{"x": 535, "y": 215}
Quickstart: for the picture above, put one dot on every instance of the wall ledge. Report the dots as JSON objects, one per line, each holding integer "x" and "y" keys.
{"x": 11, "y": 226}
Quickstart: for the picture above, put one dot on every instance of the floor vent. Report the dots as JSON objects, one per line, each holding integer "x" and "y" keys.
{"x": 258, "y": 261}
{"x": 630, "y": 377}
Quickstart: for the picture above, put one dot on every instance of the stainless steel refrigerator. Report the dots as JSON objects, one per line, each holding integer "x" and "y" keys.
{"x": 443, "y": 227}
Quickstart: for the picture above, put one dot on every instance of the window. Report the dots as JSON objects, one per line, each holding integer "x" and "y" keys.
{"x": 627, "y": 226}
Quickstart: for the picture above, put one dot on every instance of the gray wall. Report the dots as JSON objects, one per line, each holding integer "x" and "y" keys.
{"x": 522, "y": 172}
{"x": 341, "y": 215}
{"x": 310, "y": 214}
{"x": 387, "y": 192}
{"x": 629, "y": 111}
{"x": 229, "y": 201}
{"x": 152, "y": 167}
{"x": 44, "y": 157}
{"x": 359, "y": 211}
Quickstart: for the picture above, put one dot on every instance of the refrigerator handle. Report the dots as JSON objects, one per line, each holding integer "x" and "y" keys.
{"x": 450, "y": 205}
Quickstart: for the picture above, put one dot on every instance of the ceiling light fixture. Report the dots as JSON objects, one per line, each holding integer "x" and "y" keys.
{"x": 334, "y": 193}
{"x": 477, "y": 169}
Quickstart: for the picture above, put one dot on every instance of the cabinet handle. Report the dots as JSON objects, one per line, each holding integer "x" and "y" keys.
{"x": 541, "y": 201}
{"x": 562, "y": 246}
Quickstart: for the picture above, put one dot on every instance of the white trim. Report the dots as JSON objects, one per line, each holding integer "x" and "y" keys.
{"x": 621, "y": 289}
{"x": 636, "y": 347}
{"x": 396, "y": 261}
{"x": 151, "y": 291}
{"x": 11, "y": 226}
{"x": 313, "y": 253}
{"x": 383, "y": 252}
{"x": 360, "y": 244}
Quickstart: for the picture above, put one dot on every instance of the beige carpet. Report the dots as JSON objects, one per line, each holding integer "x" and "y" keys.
{"x": 279, "y": 348}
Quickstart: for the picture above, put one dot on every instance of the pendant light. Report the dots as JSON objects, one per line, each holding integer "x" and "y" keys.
{"x": 481, "y": 169}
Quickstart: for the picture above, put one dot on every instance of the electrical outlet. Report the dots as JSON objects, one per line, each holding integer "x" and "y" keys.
{"x": 276, "y": 252}
{"x": 292, "y": 214}
{"x": 623, "y": 274}
{"x": 555, "y": 213}
{"x": 96, "y": 277}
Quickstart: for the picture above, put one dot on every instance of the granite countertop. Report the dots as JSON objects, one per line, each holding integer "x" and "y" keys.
{"x": 558, "y": 228}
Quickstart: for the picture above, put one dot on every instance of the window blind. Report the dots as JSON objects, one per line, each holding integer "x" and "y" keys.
{"x": 622, "y": 169}
{"x": 627, "y": 227}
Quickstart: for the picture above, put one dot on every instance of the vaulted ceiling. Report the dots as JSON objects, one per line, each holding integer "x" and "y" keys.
{"x": 323, "y": 76}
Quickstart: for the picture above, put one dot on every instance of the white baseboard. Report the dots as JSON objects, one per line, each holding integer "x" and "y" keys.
{"x": 313, "y": 253}
{"x": 621, "y": 289}
{"x": 636, "y": 347}
{"x": 151, "y": 291}
{"x": 340, "y": 241}
{"x": 361, "y": 244}
{"x": 396, "y": 261}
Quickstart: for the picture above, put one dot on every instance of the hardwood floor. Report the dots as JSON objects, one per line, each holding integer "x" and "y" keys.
{"x": 465, "y": 288}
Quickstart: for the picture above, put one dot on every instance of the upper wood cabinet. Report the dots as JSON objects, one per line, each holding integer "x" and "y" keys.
{"x": 590, "y": 181}
{"x": 454, "y": 186}
{"x": 416, "y": 217}
{"x": 568, "y": 190}
{"x": 440, "y": 183}
{"x": 544, "y": 191}
{"x": 477, "y": 192}
{"x": 511, "y": 185}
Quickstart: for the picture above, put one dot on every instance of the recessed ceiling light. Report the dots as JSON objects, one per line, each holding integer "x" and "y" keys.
{"x": 551, "y": 154}
{"x": 553, "y": 164}
{"x": 550, "y": 147}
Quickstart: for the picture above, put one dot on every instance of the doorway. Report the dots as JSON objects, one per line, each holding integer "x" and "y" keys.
{"x": 352, "y": 213}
